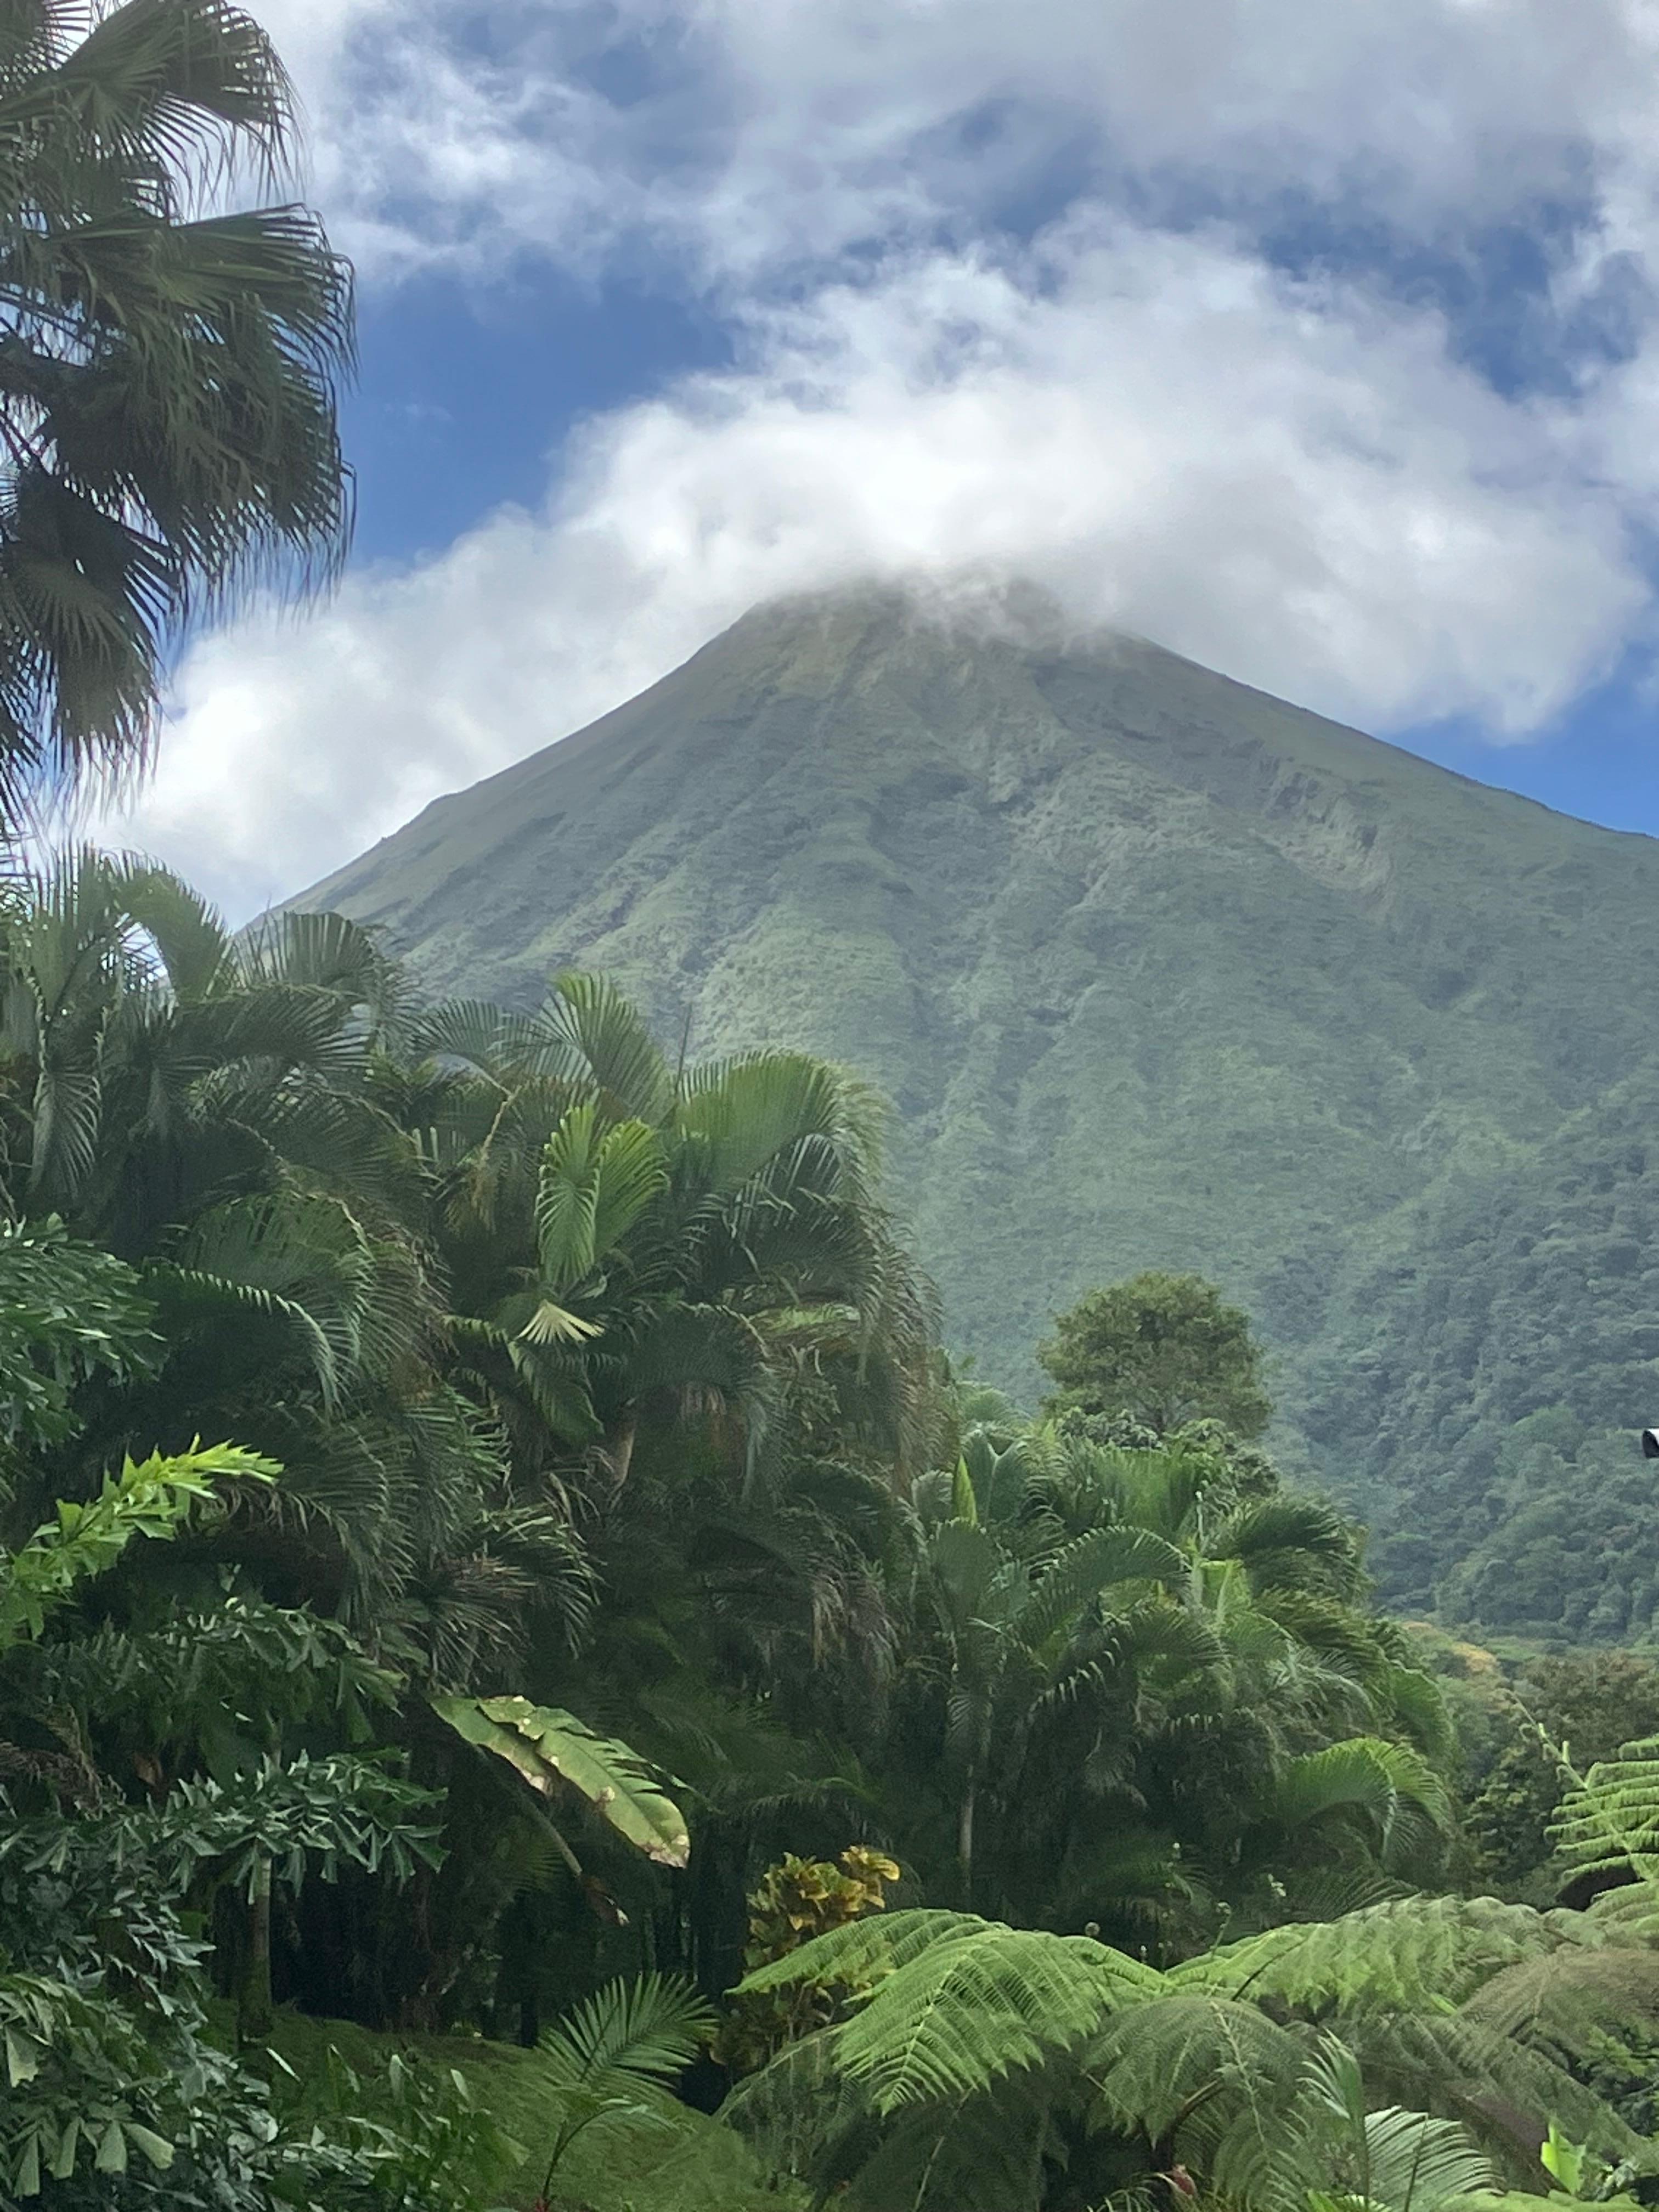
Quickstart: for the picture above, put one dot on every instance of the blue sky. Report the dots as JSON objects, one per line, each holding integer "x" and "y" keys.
{"x": 1322, "y": 344}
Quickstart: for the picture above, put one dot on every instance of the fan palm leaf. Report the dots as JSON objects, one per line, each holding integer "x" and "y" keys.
{"x": 168, "y": 372}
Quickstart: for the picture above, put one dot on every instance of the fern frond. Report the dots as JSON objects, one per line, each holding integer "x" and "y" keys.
{"x": 1158, "y": 2067}
{"x": 1409, "y": 1952}
{"x": 958, "y": 2001}
{"x": 1608, "y": 1821}
{"x": 1570, "y": 2001}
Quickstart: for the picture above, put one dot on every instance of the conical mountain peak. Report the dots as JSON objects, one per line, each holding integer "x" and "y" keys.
{"x": 1158, "y": 969}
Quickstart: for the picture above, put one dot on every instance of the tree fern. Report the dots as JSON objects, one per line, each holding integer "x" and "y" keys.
{"x": 1608, "y": 1821}
{"x": 958, "y": 2001}
{"x": 1408, "y": 1953}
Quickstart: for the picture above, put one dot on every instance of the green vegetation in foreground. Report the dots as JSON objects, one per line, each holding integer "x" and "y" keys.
{"x": 681, "y": 2161}
{"x": 1161, "y": 973}
{"x": 615, "y": 1631}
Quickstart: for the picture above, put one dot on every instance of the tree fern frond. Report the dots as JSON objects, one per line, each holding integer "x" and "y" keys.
{"x": 1608, "y": 1821}
{"x": 1408, "y": 1953}
{"x": 958, "y": 2001}
{"x": 1504, "y": 2088}
{"x": 1568, "y": 2001}
{"x": 1160, "y": 2061}
{"x": 983, "y": 2154}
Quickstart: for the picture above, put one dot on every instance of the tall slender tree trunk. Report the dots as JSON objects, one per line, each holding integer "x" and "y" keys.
{"x": 965, "y": 1841}
{"x": 619, "y": 1445}
{"x": 255, "y": 2011}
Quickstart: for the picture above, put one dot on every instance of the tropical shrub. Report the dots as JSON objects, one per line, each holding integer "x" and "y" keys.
{"x": 793, "y": 1902}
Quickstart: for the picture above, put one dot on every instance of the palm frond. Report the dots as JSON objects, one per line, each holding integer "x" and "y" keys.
{"x": 609, "y": 1041}
{"x": 648, "y": 2029}
{"x": 1364, "y": 1774}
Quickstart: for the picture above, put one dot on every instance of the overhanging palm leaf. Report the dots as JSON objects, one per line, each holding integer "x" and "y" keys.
{"x": 607, "y": 1041}
{"x": 195, "y": 948}
{"x": 1280, "y": 1540}
{"x": 1366, "y": 1774}
{"x": 323, "y": 952}
{"x": 167, "y": 376}
{"x": 1083, "y": 1571}
{"x": 303, "y": 1259}
{"x": 740, "y": 1116}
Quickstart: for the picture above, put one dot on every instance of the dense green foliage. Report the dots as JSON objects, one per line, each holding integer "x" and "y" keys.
{"x": 1513, "y": 1734}
{"x": 1160, "y": 973}
{"x": 1397, "y": 2057}
{"x": 1165, "y": 1350}
{"x": 605, "y": 1528}
{"x": 602, "y": 1653}
{"x": 169, "y": 367}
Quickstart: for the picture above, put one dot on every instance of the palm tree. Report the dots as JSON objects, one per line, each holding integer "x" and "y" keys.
{"x": 151, "y": 1061}
{"x": 202, "y": 1105}
{"x": 640, "y": 1244}
{"x": 1149, "y": 1693}
{"x": 169, "y": 369}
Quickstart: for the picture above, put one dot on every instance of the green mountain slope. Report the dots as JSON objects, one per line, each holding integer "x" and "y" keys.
{"x": 1158, "y": 970}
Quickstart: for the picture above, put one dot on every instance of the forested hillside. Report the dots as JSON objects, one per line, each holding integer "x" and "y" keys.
{"x": 1159, "y": 971}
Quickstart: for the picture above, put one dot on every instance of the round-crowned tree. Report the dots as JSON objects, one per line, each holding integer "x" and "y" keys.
{"x": 1165, "y": 1349}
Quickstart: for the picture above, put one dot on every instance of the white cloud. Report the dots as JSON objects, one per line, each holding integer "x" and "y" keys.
{"x": 750, "y": 133}
{"x": 1306, "y": 485}
{"x": 1288, "y": 483}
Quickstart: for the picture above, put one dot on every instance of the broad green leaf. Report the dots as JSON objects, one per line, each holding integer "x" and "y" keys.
{"x": 112, "y": 2150}
{"x": 62, "y": 2165}
{"x": 156, "y": 2149}
{"x": 22, "y": 2056}
{"x": 554, "y": 1752}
